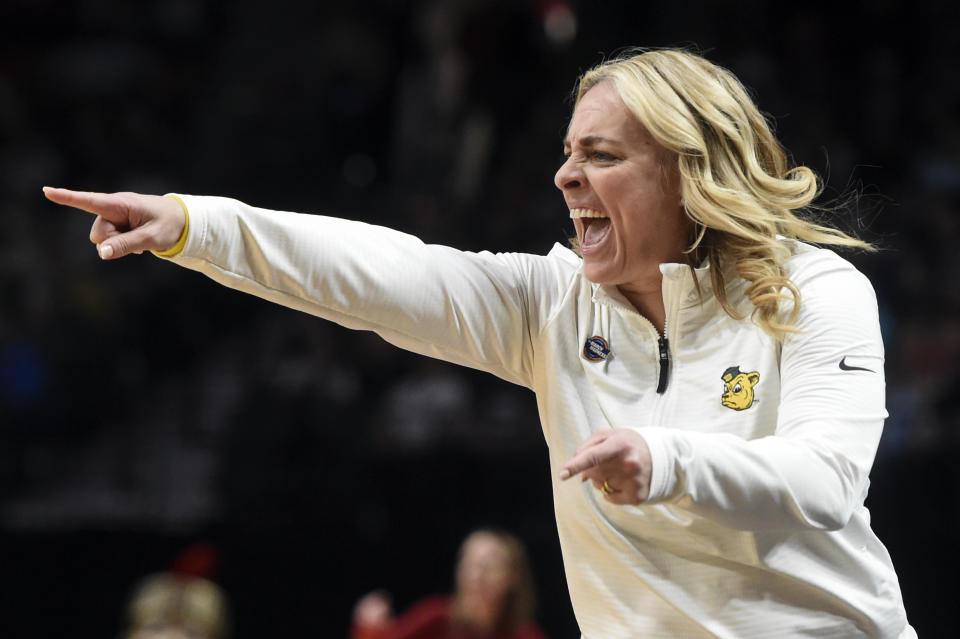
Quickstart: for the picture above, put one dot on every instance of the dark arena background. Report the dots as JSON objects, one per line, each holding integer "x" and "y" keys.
{"x": 144, "y": 409}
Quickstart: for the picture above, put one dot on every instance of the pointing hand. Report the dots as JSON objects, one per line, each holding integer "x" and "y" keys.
{"x": 126, "y": 222}
{"x": 617, "y": 462}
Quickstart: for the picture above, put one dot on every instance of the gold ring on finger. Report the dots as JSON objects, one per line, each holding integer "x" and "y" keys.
{"x": 605, "y": 488}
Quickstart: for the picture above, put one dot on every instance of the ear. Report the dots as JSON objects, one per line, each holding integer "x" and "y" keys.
{"x": 753, "y": 378}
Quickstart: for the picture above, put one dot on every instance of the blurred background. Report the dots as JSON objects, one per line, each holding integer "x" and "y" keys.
{"x": 144, "y": 409}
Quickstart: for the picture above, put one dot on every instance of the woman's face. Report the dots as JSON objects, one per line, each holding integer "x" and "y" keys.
{"x": 484, "y": 570}
{"x": 622, "y": 192}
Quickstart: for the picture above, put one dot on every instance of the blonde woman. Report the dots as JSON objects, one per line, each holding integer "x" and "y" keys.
{"x": 713, "y": 378}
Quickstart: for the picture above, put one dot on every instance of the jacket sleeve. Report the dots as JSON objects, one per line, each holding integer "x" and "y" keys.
{"x": 812, "y": 473}
{"x": 467, "y": 308}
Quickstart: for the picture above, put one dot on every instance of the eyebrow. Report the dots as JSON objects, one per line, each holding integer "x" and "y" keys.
{"x": 589, "y": 141}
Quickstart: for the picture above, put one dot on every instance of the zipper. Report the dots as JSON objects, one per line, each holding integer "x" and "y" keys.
{"x": 663, "y": 349}
{"x": 663, "y": 352}
{"x": 672, "y": 300}
{"x": 663, "y": 345}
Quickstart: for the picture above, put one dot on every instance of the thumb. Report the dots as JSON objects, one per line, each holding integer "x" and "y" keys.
{"x": 134, "y": 241}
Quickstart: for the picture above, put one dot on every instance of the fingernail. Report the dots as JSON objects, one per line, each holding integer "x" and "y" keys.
{"x": 564, "y": 474}
{"x": 106, "y": 251}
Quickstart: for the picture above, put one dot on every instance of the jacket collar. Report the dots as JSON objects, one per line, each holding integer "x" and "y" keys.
{"x": 678, "y": 286}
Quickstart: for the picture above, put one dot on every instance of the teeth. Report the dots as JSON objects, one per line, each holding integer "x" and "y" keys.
{"x": 575, "y": 213}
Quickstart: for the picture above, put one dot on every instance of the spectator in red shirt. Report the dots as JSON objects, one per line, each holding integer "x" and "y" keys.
{"x": 493, "y": 599}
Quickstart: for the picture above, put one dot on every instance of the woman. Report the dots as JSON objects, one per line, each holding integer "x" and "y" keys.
{"x": 716, "y": 383}
{"x": 493, "y": 599}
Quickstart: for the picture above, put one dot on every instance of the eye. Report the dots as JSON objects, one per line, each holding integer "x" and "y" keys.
{"x": 737, "y": 388}
{"x": 600, "y": 156}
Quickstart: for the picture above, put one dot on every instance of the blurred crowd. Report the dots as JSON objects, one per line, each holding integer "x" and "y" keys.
{"x": 140, "y": 403}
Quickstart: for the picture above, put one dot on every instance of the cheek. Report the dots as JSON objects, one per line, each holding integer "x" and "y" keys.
{"x": 500, "y": 577}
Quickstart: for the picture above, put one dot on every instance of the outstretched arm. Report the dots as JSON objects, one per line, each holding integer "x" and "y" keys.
{"x": 468, "y": 308}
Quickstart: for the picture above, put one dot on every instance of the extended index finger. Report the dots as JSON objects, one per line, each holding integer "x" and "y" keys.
{"x": 106, "y": 205}
{"x": 594, "y": 439}
{"x": 590, "y": 457}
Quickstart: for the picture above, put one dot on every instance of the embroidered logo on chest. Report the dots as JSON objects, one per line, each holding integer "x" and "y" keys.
{"x": 738, "y": 388}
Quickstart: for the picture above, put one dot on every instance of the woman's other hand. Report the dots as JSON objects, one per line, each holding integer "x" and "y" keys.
{"x": 618, "y": 463}
{"x": 126, "y": 222}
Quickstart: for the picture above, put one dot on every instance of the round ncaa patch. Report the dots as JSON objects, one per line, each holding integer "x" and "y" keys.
{"x": 596, "y": 348}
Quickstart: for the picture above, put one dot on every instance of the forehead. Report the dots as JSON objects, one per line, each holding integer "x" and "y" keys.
{"x": 601, "y": 113}
{"x": 482, "y": 545}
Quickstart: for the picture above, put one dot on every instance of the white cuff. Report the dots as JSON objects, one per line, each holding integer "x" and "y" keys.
{"x": 663, "y": 476}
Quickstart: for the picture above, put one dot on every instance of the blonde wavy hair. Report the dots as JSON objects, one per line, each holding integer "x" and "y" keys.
{"x": 174, "y": 602}
{"x": 736, "y": 183}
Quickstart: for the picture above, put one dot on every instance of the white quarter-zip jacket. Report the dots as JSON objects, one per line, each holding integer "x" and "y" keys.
{"x": 755, "y": 525}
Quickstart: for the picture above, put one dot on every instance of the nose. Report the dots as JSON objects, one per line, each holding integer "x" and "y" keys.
{"x": 568, "y": 176}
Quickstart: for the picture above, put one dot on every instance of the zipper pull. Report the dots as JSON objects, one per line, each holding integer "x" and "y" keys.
{"x": 663, "y": 346}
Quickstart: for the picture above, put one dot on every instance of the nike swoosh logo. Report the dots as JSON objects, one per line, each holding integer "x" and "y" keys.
{"x": 846, "y": 367}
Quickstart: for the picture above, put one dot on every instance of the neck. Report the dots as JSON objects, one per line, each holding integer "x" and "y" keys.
{"x": 647, "y": 298}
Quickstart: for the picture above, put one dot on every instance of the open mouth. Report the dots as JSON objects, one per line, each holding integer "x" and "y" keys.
{"x": 595, "y": 227}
